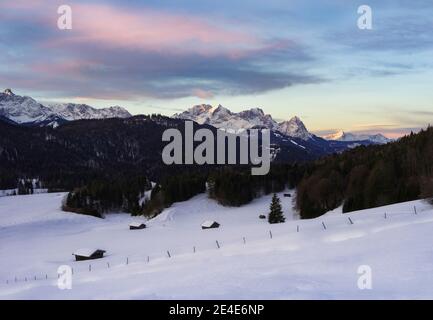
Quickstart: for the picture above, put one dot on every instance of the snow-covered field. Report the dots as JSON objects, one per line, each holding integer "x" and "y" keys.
{"x": 36, "y": 237}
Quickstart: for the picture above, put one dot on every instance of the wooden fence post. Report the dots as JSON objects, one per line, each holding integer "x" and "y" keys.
{"x": 414, "y": 208}
{"x": 350, "y": 220}
{"x": 297, "y": 228}
{"x": 270, "y": 234}
{"x": 324, "y": 225}
{"x": 217, "y": 243}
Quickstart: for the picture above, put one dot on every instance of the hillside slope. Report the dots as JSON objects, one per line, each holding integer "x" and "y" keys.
{"x": 312, "y": 263}
{"x": 368, "y": 177}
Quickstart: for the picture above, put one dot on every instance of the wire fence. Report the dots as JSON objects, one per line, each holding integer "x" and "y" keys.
{"x": 105, "y": 263}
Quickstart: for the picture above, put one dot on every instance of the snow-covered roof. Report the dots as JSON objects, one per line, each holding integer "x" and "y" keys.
{"x": 208, "y": 223}
{"x": 85, "y": 252}
{"x": 136, "y": 224}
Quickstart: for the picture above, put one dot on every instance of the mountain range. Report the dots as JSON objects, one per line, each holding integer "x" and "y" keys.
{"x": 221, "y": 117}
{"x": 65, "y": 144}
{"x": 27, "y": 111}
{"x": 289, "y": 136}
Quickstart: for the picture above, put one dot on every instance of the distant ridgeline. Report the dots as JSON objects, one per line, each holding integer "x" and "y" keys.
{"x": 108, "y": 165}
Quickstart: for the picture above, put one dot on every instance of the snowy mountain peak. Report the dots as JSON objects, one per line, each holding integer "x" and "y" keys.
{"x": 199, "y": 113}
{"x": 252, "y": 113}
{"x": 199, "y": 109}
{"x": 222, "y": 117}
{"x": 22, "y": 109}
{"x": 221, "y": 111}
{"x": 72, "y": 111}
{"x": 297, "y": 120}
{"x": 8, "y": 92}
{"x": 335, "y": 136}
{"x": 255, "y": 111}
{"x": 119, "y": 111}
{"x": 295, "y": 128}
{"x": 348, "y": 136}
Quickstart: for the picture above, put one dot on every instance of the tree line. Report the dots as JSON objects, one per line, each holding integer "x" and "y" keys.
{"x": 118, "y": 193}
{"x": 229, "y": 186}
{"x": 367, "y": 177}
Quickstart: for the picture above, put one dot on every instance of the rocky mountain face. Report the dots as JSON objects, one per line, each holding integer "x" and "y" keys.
{"x": 221, "y": 117}
{"x": 26, "y": 110}
{"x": 295, "y": 128}
{"x": 289, "y": 136}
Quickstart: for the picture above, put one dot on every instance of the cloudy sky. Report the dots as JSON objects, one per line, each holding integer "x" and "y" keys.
{"x": 290, "y": 57}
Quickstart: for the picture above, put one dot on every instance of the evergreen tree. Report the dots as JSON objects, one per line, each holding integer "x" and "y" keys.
{"x": 21, "y": 188}
{"x": 276, "y": 214}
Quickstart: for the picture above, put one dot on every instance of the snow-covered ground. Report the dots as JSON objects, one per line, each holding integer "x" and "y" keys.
{"x": 13, "y": 192}
{"x": 36, "y": 237}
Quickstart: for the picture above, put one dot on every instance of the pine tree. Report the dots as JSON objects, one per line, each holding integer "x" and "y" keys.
{"x": 276, "y": 214}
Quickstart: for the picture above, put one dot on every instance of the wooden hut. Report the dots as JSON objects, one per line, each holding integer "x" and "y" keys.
{"x": 136, "y": 226}
{"x": 88, "y": 254}
{"x": 210, "y": 224}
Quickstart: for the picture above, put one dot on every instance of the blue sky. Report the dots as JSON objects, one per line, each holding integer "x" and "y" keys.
{"x": 292, "y": 57}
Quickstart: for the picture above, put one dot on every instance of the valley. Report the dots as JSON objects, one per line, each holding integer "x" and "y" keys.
{"x": 37, "y": 237}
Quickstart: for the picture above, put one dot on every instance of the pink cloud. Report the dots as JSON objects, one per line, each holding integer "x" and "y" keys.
{"x": 138, "y": 29}
{"x": 202, "y": 94}
{"x": 24, "y": 4}
{"x": 63, "y": 67}
{"x": 142, "y": 50}
{"x": 156, "y": 31}
{"x": 142, "y": 30}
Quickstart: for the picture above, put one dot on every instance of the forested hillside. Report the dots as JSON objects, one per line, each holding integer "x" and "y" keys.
{"x": 370, "y": 176}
